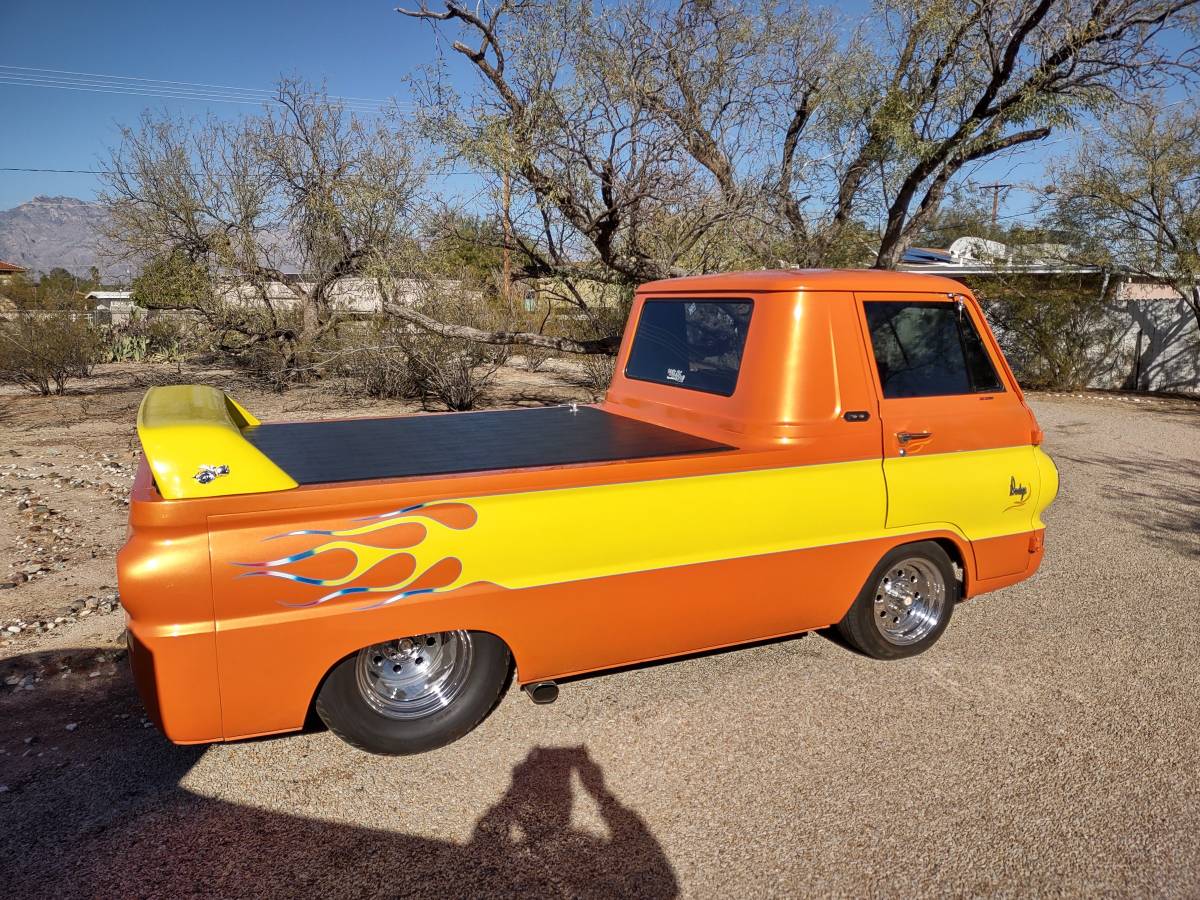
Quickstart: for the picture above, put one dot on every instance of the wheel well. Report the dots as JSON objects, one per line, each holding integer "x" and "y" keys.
{"x": 955, "y": 552}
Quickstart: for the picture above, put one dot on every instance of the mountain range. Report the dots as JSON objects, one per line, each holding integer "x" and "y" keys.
{"x": 55, "y": 232}
{"x": 64, "y": 232}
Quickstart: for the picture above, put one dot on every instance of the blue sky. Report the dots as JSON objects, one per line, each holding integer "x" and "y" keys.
{"x": 360, "y": 48}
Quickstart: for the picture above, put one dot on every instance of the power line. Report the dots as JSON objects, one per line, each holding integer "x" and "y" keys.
{"x": 62, "y": 79}
{"x": 428, "y": 173}
{"x": 165, "y": 81}
{"x": 167, "y": 94}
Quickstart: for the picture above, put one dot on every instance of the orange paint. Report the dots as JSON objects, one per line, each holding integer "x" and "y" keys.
{"x": 207, "y": 622}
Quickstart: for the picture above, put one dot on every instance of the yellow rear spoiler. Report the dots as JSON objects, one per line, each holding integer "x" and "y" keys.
{"x": 192, "y": 438}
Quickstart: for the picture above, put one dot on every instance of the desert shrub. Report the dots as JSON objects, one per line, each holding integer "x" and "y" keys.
{"x": 597, "y": 372}
{"x": 375, "y": 361}
{"x": 269, "y": 351}
{"x": 393, "y": 359}
{"x": 46, "y": 343}
{"x": 609, "y": 318}
{"x": 534, "y": 359}
{"x": 143, "y": 338}
{"x": 452, "y": 372}
{"x": 449, "y": 371}
{"x": 1055, "y": 336}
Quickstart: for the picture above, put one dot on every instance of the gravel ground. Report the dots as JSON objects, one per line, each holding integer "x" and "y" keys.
{"x": 1048, "y": 745}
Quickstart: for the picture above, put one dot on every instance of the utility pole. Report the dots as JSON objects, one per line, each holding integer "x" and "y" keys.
{"x": 995, "y": 188}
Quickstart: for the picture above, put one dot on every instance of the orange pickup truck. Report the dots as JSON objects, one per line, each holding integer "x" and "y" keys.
{"x": 778, "y": 452}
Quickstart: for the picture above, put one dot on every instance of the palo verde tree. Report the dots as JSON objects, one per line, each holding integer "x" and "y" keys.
{"x": 222, "y": 207}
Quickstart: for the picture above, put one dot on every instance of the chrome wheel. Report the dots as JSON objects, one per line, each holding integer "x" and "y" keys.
{"x": 909, "y": 600}
{"x": 415, "y": 676}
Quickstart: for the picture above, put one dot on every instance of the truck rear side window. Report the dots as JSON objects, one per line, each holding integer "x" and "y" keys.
{"x": 928, "y": 350}
{"x": 694, "y": 344}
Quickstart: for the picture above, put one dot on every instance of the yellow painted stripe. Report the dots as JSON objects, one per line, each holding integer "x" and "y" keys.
{"x": 976, "y": 491}
{"x": 549, "y": 537}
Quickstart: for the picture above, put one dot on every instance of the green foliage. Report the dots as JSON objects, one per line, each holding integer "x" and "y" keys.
{"x": 457, "y": 242}
{"x": 56, "y": 287}
{"x": 143, "y": 339}
{"x": 1057, "y": 333}
{"x": 172, "y": 281}
{"x": 1132, "y": 195}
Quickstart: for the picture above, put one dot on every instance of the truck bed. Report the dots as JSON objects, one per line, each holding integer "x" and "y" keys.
{"x": 411, "y": 446}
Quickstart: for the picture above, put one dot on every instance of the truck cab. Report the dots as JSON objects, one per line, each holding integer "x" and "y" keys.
{"x": 779, "y": 451}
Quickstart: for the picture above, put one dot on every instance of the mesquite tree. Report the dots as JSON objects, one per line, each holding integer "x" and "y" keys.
{"x": 642, "y": 139}
{"x": 222, "y": 206}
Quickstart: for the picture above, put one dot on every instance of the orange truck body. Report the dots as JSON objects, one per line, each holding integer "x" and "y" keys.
{"x": 597, "y": 565}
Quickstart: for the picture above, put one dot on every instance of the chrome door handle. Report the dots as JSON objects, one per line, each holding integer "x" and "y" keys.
{"x": 905, "y": 436}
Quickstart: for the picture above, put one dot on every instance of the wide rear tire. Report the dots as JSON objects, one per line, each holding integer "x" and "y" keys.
{"x": 905, "y": 604}
{"x": 416, "y": 693}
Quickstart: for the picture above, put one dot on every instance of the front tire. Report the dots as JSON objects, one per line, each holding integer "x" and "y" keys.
{"x": 905, "y": 604}
{"x": 415, "y": 693}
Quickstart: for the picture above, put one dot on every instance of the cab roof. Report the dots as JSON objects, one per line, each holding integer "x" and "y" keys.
{"x": 767, "y": 280}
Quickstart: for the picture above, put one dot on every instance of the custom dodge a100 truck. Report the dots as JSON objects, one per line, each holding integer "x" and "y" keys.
{"x": 778, "y": 452}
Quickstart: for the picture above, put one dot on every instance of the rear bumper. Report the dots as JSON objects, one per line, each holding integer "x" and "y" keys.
{"x": 177, "y": 681}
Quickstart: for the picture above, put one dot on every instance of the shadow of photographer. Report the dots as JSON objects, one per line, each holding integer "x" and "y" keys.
{"x": 110, "y": 818}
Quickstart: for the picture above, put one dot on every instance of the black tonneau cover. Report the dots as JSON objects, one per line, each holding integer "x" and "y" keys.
{"x": 359, "y": 449}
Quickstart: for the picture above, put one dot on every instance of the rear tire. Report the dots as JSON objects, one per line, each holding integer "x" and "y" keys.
{"x": 905, "y": 604}
{"x": 414, "y": 694}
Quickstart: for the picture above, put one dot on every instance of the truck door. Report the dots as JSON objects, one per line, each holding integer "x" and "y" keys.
{"x": 957, "y": 436}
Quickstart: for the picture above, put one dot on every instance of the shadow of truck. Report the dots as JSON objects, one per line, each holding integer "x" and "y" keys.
{"x": 108, "y": 817}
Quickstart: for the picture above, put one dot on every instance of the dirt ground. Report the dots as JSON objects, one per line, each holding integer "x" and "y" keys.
{"x": 1047, "y": 745}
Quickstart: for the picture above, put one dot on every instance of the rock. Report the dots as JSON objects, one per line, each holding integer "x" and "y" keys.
{"x": 71, "y": 726}
{"x": 13, "y": 629}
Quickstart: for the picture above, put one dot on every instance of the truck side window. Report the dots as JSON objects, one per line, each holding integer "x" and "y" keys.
{"x": 928, "y": 350}
{"x": 694, "y": 344}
